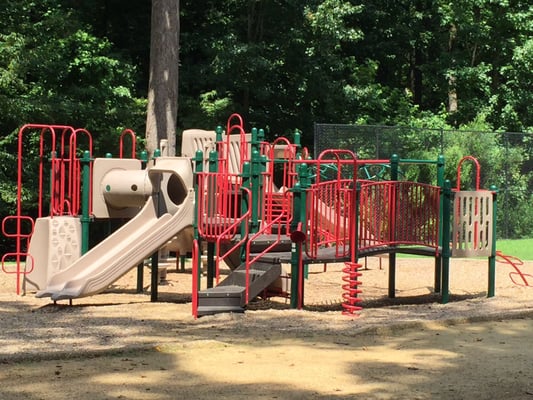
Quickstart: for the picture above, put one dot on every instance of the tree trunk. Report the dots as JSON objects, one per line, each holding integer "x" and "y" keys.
{"x": 162, "y": 108}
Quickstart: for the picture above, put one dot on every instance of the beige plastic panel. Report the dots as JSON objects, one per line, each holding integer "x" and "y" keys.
{"x": 193, "y": 140}
{"x": 197, "y": 139}
{"x": 472, "y": 224}
{"x": 120, "y": 187}
{"x": 55, "y": 245}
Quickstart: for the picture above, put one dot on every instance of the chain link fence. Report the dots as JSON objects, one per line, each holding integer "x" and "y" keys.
{"x": 505, "y": 158}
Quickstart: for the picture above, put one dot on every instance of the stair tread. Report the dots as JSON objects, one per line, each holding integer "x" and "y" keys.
{"x": 209, "y": 310}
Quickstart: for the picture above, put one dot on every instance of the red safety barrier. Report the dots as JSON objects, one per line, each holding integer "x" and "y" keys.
{"x": 331, "y": 209}
{"x": 219, "y": 205}
{"x": 398, "y": 213}
{"x": 331, "y": 214}
{"x": 20, "y": 254}
{"x": 277, "y": 179}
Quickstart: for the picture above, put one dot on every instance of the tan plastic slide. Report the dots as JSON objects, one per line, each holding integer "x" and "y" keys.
{"x": 148, "y": 231}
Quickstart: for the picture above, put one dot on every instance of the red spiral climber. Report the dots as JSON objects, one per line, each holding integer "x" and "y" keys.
{"x": 351, "y": 289}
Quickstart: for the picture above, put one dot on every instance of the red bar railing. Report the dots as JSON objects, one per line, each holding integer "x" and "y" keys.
{"x": 133, "y": 142}
{"x": 331, "y": 210}
{"x": 331, "y": 213}
{"x": 20, "y": 254}
{"x": 279, "y": 176}
{"x": 58, "y": 180}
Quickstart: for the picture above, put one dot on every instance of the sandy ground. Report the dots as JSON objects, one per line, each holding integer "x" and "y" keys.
{"x": 119, "y": 345}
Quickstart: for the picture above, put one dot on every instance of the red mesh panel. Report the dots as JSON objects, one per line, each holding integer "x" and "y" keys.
{"x": 394, "y": 213}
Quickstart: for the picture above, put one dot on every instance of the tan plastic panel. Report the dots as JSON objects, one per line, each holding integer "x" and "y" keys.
{"x": 193, "y": 140}
{"x": 54, "y": 246}
{"x": 120, "y": 187}
{"x": 472, "y": 224}
{"x": 197, "y": 139}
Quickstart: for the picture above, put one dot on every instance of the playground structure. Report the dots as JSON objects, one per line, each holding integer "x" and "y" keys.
{"x": 157, "y": 195}
{"x": 265, "y": 210}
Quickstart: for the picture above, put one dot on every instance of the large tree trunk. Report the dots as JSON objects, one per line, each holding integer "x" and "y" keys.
{"x": 163, "y": 86}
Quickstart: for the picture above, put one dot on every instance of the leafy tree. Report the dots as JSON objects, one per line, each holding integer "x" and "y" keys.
{"x": 53, "y": 70}
{"x": 163, "y": 85}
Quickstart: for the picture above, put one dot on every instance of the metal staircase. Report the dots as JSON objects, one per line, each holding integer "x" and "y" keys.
{"x": 230, "y": 294}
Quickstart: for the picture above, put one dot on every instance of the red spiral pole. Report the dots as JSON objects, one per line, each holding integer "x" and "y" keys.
{"x": 351, "y": 289}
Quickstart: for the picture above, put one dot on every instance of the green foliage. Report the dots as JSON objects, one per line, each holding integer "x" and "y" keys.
{"x": 53, "y": 70}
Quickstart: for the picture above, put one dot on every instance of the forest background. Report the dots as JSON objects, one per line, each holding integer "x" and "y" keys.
{"x": 462, "y": 67}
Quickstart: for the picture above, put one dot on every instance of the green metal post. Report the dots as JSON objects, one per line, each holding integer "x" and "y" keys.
{"x": 211, "y": 246}
{"x": 154, "y": 277}
{"x": 440, "y": 170}
{"x": 260, "y": 136}
{"x": 438, "y": 259}
{"x": 199, "y": 166}
{"x": 140, "y": 268}
{"x": 295, "y": 254}
{"x": 154, "y": 264}
{"x": 256, "y": 190}
{"x": 218, "y": 131}
{"x": 446, "y": 219}
{"x": 144, "y": 159}
{"x": 254, "y": 142}
{"x": 298, "y": 142}
{"x": 394, "y": 168}
{"x": 492, "y": 257}
{"x": 246, "y": 203}
{"x": 86, "y": 193}
{"x": 299, "y": 216}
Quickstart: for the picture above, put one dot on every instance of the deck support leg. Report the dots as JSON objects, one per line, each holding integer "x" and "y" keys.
{"x": 210, "y": 264}
{"x": 438, "y": 273}
{"x": 392, "y": 275}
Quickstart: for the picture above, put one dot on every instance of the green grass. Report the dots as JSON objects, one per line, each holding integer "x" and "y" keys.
{"x": 521, "y": 248}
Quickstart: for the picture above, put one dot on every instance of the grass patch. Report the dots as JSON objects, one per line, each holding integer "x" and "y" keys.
{"x": 521, "y": 248}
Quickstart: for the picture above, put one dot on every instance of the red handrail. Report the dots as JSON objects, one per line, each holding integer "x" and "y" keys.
{"x": 476, "y": 165}
{"x": 133, "y": 138}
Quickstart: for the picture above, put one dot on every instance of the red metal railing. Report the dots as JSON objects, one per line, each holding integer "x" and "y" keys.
{"x": 331, "y": 214}
{"x": 220, "y": 217}
{"x": 331, "y": 210}
{"x": 398, "y": 213}
{"x": 58, "y": 180}
{"x": 21, "y": 245}
{"x": 279, "y": 176}
{"x": 133, "y": 139}
{"x": 233, "y": 151}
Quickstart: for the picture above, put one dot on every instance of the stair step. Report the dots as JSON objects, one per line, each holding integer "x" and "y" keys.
{"x": 222, "y": 291}
{"x": 218, "y": 309}
{"x": 230, "y": 294}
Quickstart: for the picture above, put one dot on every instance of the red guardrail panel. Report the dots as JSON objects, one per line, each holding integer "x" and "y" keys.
{"x": 331, "y": 213}
{"x": 398, "y": 213}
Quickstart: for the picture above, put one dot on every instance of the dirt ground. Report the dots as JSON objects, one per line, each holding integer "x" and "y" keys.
{"x": 119, "y": 345}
